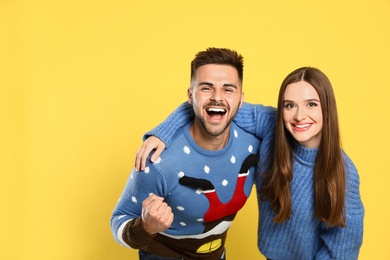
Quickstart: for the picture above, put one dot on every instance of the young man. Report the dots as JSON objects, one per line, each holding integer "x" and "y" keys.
{"x": 182, "y": 205}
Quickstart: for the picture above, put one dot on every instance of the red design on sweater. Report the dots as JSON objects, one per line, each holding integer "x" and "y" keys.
{"x": 218, "y": 210}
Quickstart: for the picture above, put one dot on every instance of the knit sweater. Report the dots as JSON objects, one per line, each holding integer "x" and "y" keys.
{"x": 302, "y": 236}
{"x": 205, "y": 190}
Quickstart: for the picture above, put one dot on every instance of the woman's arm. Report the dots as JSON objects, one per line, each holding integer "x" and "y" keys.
{"x": 255, "y": 119}
{"x": 345, "y": 243}
{"x": 161, "y": 136}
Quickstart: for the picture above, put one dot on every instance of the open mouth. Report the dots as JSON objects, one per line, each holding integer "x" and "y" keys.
{"x": 216, "y": 112}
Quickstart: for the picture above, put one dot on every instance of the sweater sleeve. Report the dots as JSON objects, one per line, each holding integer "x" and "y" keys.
{"x": 126, "y": 224}
{"x": 255, "y": 119}
{"x": 345, "y": 243}
{"x": 178, "y": 118}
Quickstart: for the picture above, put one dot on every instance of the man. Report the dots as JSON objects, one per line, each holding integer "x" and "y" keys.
{"x": 182, "y": 205}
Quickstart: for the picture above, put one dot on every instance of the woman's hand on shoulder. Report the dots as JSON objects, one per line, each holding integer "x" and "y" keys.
{"x": 150, "y": 144}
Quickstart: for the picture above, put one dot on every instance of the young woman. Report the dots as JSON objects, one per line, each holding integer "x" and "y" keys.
{"x": 307, "y": 186}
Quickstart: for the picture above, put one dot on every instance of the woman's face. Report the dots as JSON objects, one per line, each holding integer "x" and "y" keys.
{"x": 302, "y": 114}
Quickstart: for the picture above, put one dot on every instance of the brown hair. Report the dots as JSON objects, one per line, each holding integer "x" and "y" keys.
{"x": 220, "y": 56}
{"x": 329, "y": 171}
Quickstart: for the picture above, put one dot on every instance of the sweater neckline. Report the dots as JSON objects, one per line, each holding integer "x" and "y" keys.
{"x": 210, "y": 153}
{"x": 304, "y": 154}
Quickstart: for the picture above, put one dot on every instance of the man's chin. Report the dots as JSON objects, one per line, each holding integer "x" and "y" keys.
{"x": 216, "y": 131}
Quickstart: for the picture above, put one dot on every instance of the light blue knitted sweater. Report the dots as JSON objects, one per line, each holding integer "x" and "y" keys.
{"x": 302, "y": 236}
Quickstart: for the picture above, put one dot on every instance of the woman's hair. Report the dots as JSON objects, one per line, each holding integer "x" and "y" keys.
{"x": 329, "y": 171}
{"x": 221, "y": 56}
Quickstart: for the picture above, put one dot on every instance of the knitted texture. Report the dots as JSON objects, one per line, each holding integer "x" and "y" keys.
{"x": 205, "y": 190}
{"x": 302, "y": 236}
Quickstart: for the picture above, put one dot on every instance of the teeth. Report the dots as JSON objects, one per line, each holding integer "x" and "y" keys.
{"x": 302, "y": 126}
{"x": 218, "y": 110}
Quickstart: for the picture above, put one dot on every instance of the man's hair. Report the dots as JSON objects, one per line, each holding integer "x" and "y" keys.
{"x": 219, "y": 56}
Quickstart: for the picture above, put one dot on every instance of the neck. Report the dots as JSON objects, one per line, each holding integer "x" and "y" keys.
{"x": 208, "y": 141}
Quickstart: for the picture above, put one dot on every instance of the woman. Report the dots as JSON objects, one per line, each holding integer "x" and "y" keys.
{"x": 308, "y": 188}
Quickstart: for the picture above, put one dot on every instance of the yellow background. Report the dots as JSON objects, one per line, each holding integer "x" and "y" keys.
{"x": 81, "y": 81}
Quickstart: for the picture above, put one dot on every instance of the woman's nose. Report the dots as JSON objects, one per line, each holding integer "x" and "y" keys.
{"x": 300, "y": 114}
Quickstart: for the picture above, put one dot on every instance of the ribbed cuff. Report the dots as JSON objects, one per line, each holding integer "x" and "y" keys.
{"x": 135, "y": 235}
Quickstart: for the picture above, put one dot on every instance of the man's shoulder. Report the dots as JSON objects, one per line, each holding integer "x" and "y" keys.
{"x": 245, "y": 138}
{"x": 239, "y": 130}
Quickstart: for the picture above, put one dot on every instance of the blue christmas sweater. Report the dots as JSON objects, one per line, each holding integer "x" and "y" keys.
{"x": 302, "y": 236}
{"x": 205, "y": 190}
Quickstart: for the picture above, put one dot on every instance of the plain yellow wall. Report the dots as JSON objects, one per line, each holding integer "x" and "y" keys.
{"x": 81, "y": 81}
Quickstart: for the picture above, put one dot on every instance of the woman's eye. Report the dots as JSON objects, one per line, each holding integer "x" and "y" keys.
{"x": 312, "y": 104}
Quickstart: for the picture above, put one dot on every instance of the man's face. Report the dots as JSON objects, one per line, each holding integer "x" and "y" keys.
{"x": 216, "y": 96}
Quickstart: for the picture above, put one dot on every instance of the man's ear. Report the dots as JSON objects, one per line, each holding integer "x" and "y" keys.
{"x": 242, "y": 99}
{"x": 189, "y": 94}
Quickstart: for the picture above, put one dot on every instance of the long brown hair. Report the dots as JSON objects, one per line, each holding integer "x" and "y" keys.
{"x": 329, "y": 171}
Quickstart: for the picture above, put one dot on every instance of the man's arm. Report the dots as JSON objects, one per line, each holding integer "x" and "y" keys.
{"x": 138, "y": 216}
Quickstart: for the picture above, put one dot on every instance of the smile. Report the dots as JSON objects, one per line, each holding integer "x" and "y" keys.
{"x": 216, "y": 112}
{"x": 302, "y": 126}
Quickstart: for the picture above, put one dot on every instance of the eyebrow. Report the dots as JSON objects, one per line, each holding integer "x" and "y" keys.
{"x": 211, "y": 84}
{"x": 307, "y": 100}
{"x": 313, "y": 99}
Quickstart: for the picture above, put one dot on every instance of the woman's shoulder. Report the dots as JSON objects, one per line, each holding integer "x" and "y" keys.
{"x": 348, "y": 163}
{"x": 353, "y": 197}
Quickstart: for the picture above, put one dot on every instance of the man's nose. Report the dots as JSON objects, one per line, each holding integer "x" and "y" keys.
{"x": 216, "y": 95}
